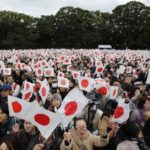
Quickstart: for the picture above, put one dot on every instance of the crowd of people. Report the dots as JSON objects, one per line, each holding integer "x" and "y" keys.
{"x": 93, "y": 128}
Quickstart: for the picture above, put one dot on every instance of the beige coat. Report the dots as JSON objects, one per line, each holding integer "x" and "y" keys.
{"x": 88, "y": 143}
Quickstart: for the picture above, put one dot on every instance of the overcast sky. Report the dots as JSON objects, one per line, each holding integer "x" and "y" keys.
{"x": 47, "y": 7}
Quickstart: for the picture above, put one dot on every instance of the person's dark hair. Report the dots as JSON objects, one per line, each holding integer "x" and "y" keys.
{"x": 109, "y": 108}
{"x": 131, "y": 129}
{"x": 146, "y": 129}
{"x": 78, "y": 119}
{"x": 115, "y": 80}
{"x": 12, "y": 142}
{"x": 4, "y": 108}
{"x": 141, "y": 102}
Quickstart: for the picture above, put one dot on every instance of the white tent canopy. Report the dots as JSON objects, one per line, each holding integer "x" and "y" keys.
{"x": 104, "y": 46}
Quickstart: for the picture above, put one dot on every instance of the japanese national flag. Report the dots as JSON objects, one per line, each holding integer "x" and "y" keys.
{"x": 69, "y": 68}
{"x": 99, "y": 69}
{"x": 91, "y": 63}
{"x": 72, "y": 105}
{"x": 44, "y": 90}
{"x": 6, "y": 71}
{"x": 75, "y": 74}
{"x": 36, "y": 65}
{"x": 19, "y": 107}
{"x": 85, "y": 83}
{"x": 122, "y": 112}
{"x": 67, "y": 61}
{"x": 60, "y": 74}
{"x": 39, "y": 72}
{"x": 129, "y": 69}
{"x": 51, "y": 63}
{"x": 62, "y": 57}
{"x": 113, "y": 92}
{"x": 135, "y": 74}
{"x": 98, "y": 82}
{"x": 28, "y": 91}
{"x": 148, "y": 78}
{"x": 15, "y": 89}
{"x": 44, "y": 63}
{"x": 48, "y": 72}
{"x": 63, "y": 82}
{"x": 43, "y": 119}
{"x": 102, "y": 88}
{"x": 22, "y": 66}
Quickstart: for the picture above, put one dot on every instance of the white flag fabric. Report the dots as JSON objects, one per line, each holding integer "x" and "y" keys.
{"x": 43, "y": 119}
{"x": 6, "y": 71}
{"x": 148, "y": 78}
{"x": 72, "y": 105}
{"x": 2, "y": 65}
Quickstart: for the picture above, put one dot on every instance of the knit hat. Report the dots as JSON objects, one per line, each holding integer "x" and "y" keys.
{"x": 6, "y": 87}
{"x": 4, "y": 108}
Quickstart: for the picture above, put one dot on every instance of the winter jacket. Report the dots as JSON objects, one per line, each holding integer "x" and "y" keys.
{"x": 88, "y": 143}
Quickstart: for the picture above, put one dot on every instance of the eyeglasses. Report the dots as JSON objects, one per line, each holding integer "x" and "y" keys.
{"x": 81, "y": 129}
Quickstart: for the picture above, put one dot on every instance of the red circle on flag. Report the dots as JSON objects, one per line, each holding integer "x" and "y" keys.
{"x": 38, "y": 84}
{"x": 27, "y": 86}
{"x": 16, "y": 107}
{"x": 84, "y": 83}
{"x": 66, "y": 61}
{"x": 119, "y": 111}
{"x": 102, "y": 90}
{"x": 75, "y": 75}
{"x": 48, "y": 72}
{"x": 63, "y": 82}
{"x": 114, "y": 92}
{"x": 43, "y": 63}
{"x": 62, "y": 58}
{"x": 34, "y": 88}
{"x": 43, "y": 91}
{"x": 42, "y": 119}
{"x": 27, "y": 96}
{"x": 35, "y": 66}
{"x": 22, "y": 65}
{"x": 70, "y": 108}
{"x": 39, "y": 71}
{"x": 100, "y": 69}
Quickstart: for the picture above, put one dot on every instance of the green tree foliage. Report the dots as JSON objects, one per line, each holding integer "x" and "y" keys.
{"x": 127, "y": 26}
{"x": 16, "y": 30}
{"x": 131, "y": 26}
